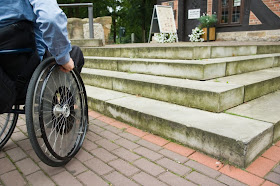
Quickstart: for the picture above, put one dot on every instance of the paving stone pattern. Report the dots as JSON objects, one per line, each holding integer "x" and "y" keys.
{"x": 115, "y": 153}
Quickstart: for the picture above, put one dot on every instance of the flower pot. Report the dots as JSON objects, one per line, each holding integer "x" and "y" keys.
{"x": 212, "y": 34}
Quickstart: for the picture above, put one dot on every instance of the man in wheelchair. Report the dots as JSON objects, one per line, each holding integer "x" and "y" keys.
{"x": 52, "y": 90}
{"x": 36, "y": 25}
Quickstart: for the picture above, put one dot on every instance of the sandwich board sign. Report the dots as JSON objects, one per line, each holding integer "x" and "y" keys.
{"x": 163, "y": 21}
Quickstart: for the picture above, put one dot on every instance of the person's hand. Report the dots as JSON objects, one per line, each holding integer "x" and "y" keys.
{"x": 67, "y": 67}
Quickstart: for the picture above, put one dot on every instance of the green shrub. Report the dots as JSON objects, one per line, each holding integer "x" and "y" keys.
{"x": 207, "y": 20}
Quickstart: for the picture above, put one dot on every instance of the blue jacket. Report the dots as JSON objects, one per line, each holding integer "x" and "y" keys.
{"x": 50, "y": 24}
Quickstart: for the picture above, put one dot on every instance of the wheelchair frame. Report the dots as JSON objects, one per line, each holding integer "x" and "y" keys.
{"x": 63, "y": 115}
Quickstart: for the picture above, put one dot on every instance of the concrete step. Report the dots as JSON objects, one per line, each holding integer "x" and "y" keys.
{"x": 235, "y": 139}
{"x": 87, "y": 42}
{"x": 187, "y": 51}
{"x": 256, "y": 84}
{"x": 211, "y": 96}
{"x": 264, "y": 108}
{"x": 190, "y": 69}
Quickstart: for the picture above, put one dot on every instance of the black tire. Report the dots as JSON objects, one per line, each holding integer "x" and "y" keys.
{"x": 56, "y": 113}
{"x": 8, "y": 122}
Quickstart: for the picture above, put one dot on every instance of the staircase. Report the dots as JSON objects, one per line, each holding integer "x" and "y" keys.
{"x": 87, "y": 42}
{"x": 218, "y": 98}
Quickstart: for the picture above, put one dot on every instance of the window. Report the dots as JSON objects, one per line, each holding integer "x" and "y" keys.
{"x": 230, "y": 12}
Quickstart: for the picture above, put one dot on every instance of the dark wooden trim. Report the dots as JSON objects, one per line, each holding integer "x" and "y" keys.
{"x": 246, "y": 12}
{"x": 192, "y": 23}
{"x": 264, "y": 14}
{"x": 246, "y": 28}
{"x": 181, "y": 19}
{"x": 215, "y": 6}
{"x": 270, "y": 21}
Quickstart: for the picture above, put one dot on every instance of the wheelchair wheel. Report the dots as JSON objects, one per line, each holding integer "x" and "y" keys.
{"x": 56, "y": 113}
{"x": 8, "y": 123}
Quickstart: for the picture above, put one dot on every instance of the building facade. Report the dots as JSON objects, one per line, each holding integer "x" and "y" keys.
{"x": 239, "y": 20}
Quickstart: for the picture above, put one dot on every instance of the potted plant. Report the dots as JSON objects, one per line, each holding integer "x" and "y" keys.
{"x": 207, "y": 24}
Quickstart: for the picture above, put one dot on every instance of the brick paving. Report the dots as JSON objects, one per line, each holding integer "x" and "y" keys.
{"x": 115, "y": 153}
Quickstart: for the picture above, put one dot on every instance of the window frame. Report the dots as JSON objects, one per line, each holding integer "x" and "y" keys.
{"x": 230, "y": 10}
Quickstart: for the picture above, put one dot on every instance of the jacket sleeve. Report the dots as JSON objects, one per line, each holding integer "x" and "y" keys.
{"x": 52, "y": 23}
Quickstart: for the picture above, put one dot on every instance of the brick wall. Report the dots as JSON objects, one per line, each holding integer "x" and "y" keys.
{"x": 273, "y": 5}
{"x": 175, "y": 8}
{"x": 253, "y": 19}
{"x": 209, "y": 7}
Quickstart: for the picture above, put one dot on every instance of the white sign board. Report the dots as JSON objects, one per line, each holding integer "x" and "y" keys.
{"x": 193, "y": 13}
{"x": 237, "y": 2}
{"x": 165, "y": 18}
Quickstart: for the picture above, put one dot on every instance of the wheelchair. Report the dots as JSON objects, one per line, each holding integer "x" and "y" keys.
{"x": 56, "y": 113}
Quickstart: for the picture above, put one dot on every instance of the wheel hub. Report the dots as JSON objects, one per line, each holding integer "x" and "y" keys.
{"x": 61, "y": 110}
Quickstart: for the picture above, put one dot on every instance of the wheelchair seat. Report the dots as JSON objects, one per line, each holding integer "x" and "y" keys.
{"x": 56, "y": 113}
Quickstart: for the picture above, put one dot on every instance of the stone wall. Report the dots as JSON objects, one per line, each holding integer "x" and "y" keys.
{"x": 75, "y": 28}
{"x": 106, "y": 22}
{"x": 79, "y": 28}
{"x": 264, "y": 35}
{"x": 98, "y": 32}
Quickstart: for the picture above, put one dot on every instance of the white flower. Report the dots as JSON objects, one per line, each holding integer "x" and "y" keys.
{"x": 165, "y": 37}
{"x": 195, "y": 36}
